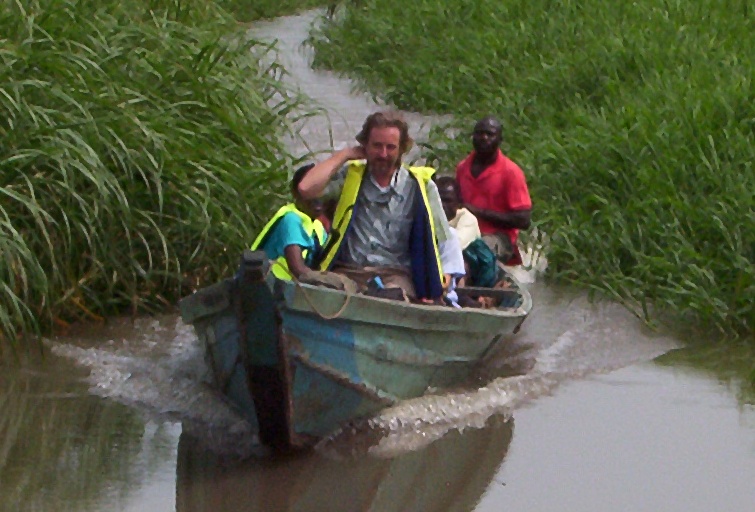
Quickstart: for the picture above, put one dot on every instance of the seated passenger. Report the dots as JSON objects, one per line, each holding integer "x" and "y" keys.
{"x": 494, "y": 189}
{"x": 388, "y": 218}
{"x": 294, "y": 236}
{"x": 480, "y": 261}
{"x": 459, "y": 218}
{"x": 452, "y": 261}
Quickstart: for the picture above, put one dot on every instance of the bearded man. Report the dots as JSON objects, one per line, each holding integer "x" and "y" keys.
{"x": 389, "y": 219}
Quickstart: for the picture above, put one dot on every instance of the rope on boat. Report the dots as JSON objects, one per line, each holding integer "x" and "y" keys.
{"x": 305, "y": 293}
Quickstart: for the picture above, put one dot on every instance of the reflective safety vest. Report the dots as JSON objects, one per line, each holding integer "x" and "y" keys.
{"x": 427, "y": 273}
{"x": 313, "y": 228}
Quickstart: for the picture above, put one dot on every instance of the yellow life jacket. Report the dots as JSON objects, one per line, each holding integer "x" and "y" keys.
{"x": 313, "y": 228}
{"x": 342, "y": 219}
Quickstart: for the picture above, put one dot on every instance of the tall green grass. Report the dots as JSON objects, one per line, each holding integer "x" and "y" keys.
{"x": 633, "y": 122}
{"x": 251, "y": 10}
{"x": 139, "y": 149}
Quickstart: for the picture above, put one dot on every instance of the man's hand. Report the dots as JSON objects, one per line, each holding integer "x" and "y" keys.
{"x": 314, "y": 182}
{"x": 354, "y": 153}
{"x": 295, "y": 260}
{"x": 472, "y": 209}
{"x": 519, "y": 219}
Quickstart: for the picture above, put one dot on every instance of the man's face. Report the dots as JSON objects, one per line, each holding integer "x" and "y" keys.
{"x": 450, "y": 201}
{"x": 486, "y": 137}
{"x": 383, "y": 149}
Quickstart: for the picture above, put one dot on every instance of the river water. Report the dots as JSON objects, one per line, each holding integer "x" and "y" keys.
{"x": 117, "y": 418}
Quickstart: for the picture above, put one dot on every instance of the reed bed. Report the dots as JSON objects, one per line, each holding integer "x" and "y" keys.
{"x": 633, "y": 121}
{"x": 251, "y": 10}
{"x": 140, "y": 150}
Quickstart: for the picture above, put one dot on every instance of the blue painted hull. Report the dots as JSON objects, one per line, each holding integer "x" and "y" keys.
{"x": 289, "y": 368}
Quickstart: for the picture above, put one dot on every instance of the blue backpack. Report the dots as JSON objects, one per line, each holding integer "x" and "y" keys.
{"x": 483, "y": 265}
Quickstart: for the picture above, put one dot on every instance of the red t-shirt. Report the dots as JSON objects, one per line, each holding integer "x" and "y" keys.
{"x": 501, "y": 187}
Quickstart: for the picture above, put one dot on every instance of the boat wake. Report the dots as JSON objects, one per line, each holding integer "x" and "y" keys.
{"x": 569, "y": 339}
{"x": 157, "y": 367}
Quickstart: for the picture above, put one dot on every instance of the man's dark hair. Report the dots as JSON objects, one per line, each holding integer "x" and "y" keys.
{"x": 444, "y": 182}
{"x": 493, "y": 122}
{"x": 386, "y": 120}
{"x": 298, "y": 176}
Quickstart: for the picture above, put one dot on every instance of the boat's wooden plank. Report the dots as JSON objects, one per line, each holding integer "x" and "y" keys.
{"x": 343, "y": 379}
{"x": 361, "y": 308}
{"x": 207, "y": 301}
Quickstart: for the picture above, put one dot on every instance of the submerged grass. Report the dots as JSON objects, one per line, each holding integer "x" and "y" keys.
{"x": 140, "y": 149}
{"x": 633, "y": 121}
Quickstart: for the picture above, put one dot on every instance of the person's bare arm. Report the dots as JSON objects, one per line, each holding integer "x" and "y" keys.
{"x": 314, "y": 182}
{"x": 518, "y": 219}
{"x": 296, "y": 265}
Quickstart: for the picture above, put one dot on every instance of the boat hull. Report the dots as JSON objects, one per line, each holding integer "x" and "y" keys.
{"x": 300, "y": 360}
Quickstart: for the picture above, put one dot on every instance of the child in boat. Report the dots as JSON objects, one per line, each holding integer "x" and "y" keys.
{"x": 459, "y": 218}
{"x": 452, "y": 262}
{"x": 481, "y": 268}
{"x": 464, "y": 230}
{"x": 294, "y": 236}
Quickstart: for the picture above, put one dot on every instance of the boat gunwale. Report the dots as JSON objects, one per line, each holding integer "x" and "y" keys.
{"x": 520, "y": 311}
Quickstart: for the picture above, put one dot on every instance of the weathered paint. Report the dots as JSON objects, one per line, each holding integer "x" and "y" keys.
{"x": 376, "y": 352}
{"x": 220, "y": 334}
{"x": 325, "y": 355}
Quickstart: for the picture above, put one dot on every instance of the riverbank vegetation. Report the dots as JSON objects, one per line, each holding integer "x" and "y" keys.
{"x": 252, "y": 10}
{"x": 140, "y": 149}
{"x": 633, "y": 121}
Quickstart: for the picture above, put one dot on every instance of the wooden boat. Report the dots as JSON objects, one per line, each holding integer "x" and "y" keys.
{"x": 299, "y": 360}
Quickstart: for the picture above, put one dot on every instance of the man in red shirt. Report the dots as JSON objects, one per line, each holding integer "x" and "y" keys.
{"x": 494, "y": 190}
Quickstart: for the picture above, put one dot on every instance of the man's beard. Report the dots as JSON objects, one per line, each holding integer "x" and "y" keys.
{"x": 383, "y": 164}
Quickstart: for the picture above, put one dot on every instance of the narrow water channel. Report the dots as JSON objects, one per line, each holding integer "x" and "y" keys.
{"x": 117, "y": 418}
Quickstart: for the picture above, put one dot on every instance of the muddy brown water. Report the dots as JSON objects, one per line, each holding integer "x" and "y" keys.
{"x": 117, "y": 418}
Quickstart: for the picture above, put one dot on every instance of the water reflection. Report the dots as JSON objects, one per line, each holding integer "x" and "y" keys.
{"x": 642, "y": 438}
{"x": 62, "y": 449}
{"x": 451, "y": 474}
{"x": 730, "y": 363}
